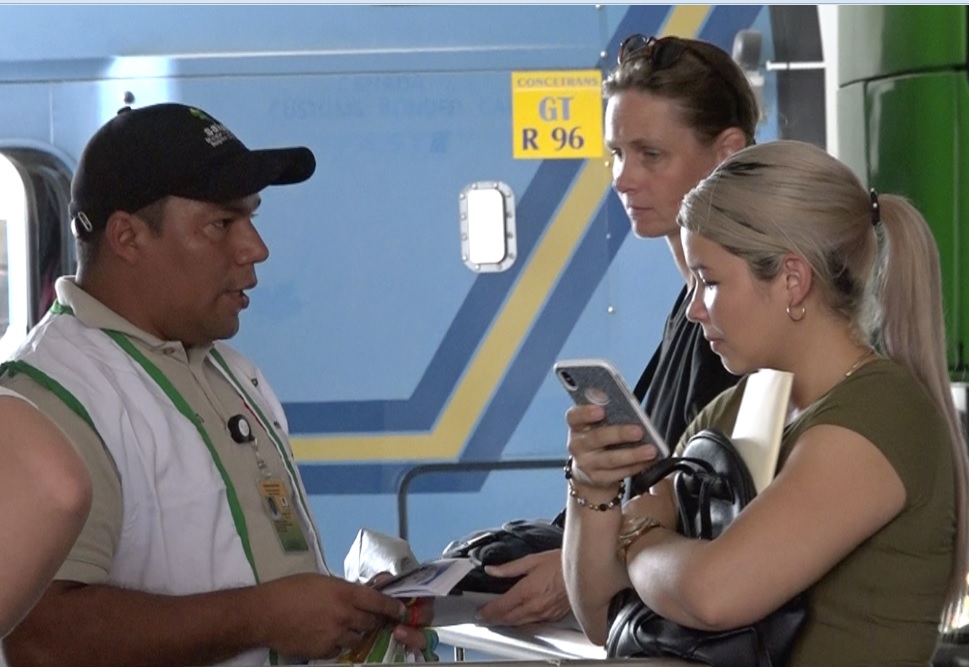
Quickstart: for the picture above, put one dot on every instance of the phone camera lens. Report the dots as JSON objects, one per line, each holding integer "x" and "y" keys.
{"x": 567, "y": 379}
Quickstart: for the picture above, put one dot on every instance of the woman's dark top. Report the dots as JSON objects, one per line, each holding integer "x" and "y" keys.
{"x": 681, "y": 378}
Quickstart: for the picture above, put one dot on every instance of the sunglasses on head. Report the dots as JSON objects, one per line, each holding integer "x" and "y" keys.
{"x": 661, "y": 53}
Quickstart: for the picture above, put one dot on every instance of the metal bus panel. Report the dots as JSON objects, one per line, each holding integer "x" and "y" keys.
{"x": 877, "y": 40}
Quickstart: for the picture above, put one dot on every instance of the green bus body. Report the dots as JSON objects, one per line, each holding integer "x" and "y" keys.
{"x": 903, "y": 110}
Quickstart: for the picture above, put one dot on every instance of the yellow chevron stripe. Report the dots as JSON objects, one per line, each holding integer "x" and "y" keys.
{"x": 510, "y": 327}
{"x": 685, "y": 20}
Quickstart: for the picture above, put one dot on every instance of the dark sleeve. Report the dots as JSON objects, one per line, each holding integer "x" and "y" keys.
{"x": 709, "y": 380}
{"x": 688, "y": 375}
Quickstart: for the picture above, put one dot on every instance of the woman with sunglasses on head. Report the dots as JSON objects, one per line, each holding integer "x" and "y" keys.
{"x": 675, "y": 109}
{"x": 801, "y": 269}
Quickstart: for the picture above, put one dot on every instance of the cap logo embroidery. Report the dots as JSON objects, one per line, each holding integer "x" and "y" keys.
{"x": 217, "y": 134}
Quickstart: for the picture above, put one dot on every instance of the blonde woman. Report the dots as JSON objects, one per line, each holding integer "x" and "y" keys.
{"x": 800, "y": 268}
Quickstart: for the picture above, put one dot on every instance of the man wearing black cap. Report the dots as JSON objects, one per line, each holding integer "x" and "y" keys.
{"x": 200, "y": 546}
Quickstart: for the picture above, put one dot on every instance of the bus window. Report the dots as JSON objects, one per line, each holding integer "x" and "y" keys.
{"x": 34, "y": 246}
{"x": 488, "y": 236}
{"x": 13, "y": 254}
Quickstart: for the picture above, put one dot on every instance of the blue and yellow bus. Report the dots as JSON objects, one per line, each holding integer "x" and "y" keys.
{"x": 407, "y": 361}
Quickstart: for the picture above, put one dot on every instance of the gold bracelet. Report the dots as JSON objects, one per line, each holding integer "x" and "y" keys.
{"x": 632, "y": 530}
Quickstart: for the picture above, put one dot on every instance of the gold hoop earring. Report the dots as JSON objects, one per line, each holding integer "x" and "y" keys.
{"x": 799, "y": 317}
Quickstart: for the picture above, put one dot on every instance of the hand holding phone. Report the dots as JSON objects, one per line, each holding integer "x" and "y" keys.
{"x": 597, "y": 382}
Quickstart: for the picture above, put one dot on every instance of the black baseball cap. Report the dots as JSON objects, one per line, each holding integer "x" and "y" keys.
{"x": 142, "y": 155}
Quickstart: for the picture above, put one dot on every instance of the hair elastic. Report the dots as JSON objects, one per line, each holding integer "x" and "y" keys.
{"x": 875, "y": 208}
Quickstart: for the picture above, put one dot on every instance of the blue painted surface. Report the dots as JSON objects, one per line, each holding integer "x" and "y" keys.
{"x": 365, "y": 318}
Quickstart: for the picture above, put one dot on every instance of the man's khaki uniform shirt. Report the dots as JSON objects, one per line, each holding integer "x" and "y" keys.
{"x": 214, "y": 400}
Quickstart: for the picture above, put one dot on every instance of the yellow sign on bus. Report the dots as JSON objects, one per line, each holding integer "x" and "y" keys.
{"x": 556, "y": 114}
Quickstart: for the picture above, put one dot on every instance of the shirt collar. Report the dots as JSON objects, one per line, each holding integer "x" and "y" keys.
{"x": 92, "y": 313}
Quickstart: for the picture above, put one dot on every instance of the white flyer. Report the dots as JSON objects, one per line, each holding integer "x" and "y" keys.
{"x": 431, "y": 579}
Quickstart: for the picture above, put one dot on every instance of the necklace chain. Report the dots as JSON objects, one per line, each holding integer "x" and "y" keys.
{"x": 861, "y": 360}
{"x": 793, "y": 412}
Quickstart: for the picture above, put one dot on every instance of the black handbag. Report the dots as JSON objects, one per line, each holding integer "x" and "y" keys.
{"x": 712, "y": 487}
{"x": 496, "y": 546}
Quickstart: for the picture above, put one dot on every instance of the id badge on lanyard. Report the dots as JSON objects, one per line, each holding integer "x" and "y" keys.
{"x": 276, "y": 498}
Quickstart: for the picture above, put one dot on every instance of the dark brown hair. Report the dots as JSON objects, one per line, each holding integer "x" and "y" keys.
{"x": 706, "y": 85}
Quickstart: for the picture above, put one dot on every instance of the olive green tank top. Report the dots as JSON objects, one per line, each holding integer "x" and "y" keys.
{"x": 882, "y": 604}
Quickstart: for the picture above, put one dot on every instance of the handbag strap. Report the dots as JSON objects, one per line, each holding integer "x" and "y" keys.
{"x": 692, "y": 467}
{"x": 671, "y": 464}
{"x": 703, "y": 509}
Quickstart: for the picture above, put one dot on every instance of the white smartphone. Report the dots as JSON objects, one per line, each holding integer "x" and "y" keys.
{"x": 596, "y": 381}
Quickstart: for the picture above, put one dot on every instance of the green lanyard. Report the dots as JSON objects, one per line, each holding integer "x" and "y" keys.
{"x": 182, "y": 406}
{"x": 276, "y": 440}
{"x": 41, "y": 378}
{"x": 238, "y": 516}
